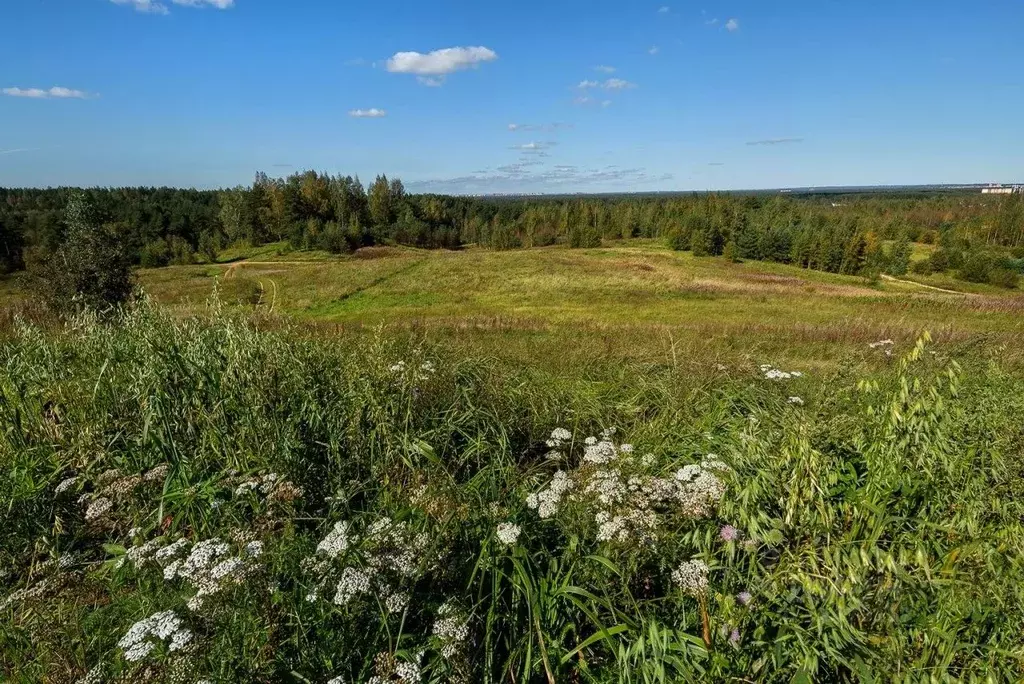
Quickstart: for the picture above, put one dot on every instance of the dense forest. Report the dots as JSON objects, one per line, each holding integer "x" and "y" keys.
{"x": 978, "y": 238}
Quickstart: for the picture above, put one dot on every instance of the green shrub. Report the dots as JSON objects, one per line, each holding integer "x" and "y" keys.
{"x": 90, "y": 270}
{"x": 922, "y": 267}
{"x": 155, "y": 254}
{"x": 1003, "y": 277}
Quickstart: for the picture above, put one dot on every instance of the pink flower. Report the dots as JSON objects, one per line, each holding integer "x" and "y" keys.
{"x": 729, "y": 533}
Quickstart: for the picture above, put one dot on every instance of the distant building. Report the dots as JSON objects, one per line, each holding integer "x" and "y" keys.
{"x": 997, "y": 189}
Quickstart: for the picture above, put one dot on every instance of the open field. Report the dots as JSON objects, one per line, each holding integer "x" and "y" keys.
{"x": 637, "y": 301}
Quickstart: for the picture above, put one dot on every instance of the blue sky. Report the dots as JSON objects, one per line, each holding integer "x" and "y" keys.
{"x": 707, "y": 95}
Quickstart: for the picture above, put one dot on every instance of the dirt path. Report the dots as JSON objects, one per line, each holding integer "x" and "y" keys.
{"x": 927, "y": 287}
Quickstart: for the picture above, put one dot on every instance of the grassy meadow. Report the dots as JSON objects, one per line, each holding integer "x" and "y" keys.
{"x": 622, "y": 464}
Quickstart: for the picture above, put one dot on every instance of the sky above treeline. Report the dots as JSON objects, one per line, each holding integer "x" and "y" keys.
{"x": 537, "y": 96}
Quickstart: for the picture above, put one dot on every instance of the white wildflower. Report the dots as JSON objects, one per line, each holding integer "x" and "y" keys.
{"x": 396, "y": 602}
{"x": 692, "y": 577}
{"x": 451, "y": 627}
{"x": 98, "y": 508}
{"x": 65, "y": 485}
{"x": 354, "y": 581}
{"x": 508, "y": 533}
{"x": 143, "y": 636}
{"x": 337, "y": 540}
{"x": 795, "y": 400}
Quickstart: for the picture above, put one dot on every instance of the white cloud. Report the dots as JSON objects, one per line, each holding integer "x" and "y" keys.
{"x": 583, "y": 100}
{"x": 439, "y": 63}
{"x": 372, "y": 113}
{"x": 158, "y": 7}
{"x": 653, "y": 50}
{"x": 664, "y": 9}
{"x": 38, "y": 93}
{"x": 20, "y": 149}
{"x": 147, "y": 6}
{"x": 431, "y": 81}
{"x": 711, "y": 22}
{"x": 732, "y": 25}
{"x": 610, "y": 84}
{"x": 552, "y": 127}
{"x": 533, "y": 146}
{"x": 617, "y": 84}
{"x": 605, "y": 69}
{"x": 776, "y": 141}
{"x": 606, "y": 103}
{"x": 219, "y": 4}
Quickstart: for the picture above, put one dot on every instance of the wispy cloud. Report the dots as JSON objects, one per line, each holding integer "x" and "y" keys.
{"x": 524, "y": 128}
{"x": 776, "y": 141}
{"x": 610, "y": 84}
{"x": 20, "y": 149}
{"x": 653, "y": 50}
{"x": 529, "y": 147}
{"x": 605, "y": 69}
{"x": 158, "y": 7}
{"x": 732, "y": 25}
{"x": 432, "y": 67}
{"x": 372, "y": 113}
{"x": 55, "y": 92}
{"x": 358, "y": 61}
{"x": 218, "y": 4}
{"x": 711, "y": 22}
{"x": 617, "y": 84}
{"x": 716, "y": 163}
{"x": 146, "y": 6}
{"x": 664, "y": 9}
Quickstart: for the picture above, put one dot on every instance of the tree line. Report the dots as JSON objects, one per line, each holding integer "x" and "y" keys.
{"x": 977, "y": 237}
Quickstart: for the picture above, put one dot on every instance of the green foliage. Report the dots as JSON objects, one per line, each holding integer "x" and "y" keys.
{"x": 877, "y": 529}
{"x": 90, "y": 270}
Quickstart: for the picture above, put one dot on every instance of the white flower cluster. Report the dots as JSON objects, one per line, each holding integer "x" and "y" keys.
{"x": 98, "y": 508}
{"x": 354, "y": 581}
{"x": 270, "y": 486}
{"x": 93, "y": 676}
{"x": 772, "y": 373}
{"x": 209, "y": 568}
{"x": 451, "y": 628}
{"x": 795, "y": 400}
{"x": 21, "y": 595}
{"x": 692, "y": 577}
{"x": 389, "y": 670}
{"x": 336, "y": 542}
{"x": 884, "y": 345}
{"x": 700, "y": 487}
{"x": 65, "y": 485}
{"x": 336, "y": 680}
{"x": 508, "y": 533}
{"x": 421, "y": 373}
{"x": 626, "y": 501}
{"x": 140, "y": 555}
{"x": 560, "y": 437}
{"x": 143, "y": 636}
{"x": 157, "y": 474}
{"x": 546, "y": 501}
{"x": 393, "y": 555}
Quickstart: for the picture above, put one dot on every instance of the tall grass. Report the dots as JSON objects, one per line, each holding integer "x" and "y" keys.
{"x": 871, "y": 533}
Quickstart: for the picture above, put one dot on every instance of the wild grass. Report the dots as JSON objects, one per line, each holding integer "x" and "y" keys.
{"x": 860, "y": 522}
